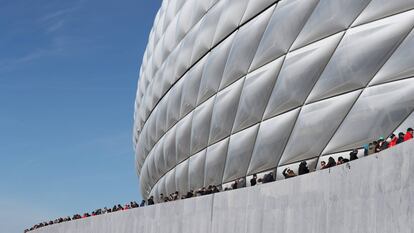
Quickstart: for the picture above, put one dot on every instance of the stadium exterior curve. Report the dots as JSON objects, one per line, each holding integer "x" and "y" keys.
{"x": 232, "y": 88}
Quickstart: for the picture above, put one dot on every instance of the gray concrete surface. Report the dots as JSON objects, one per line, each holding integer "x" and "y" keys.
{"x": 371, "y": 194}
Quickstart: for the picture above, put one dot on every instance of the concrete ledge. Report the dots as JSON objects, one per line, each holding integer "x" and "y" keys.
{"x": 372, "y": 194}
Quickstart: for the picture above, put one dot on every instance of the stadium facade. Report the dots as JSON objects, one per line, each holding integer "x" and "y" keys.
{"x": 230, "y": 88}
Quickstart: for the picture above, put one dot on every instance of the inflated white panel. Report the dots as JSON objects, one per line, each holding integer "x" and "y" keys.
{"x": 206, "y": 32}
{"x": 213, "y": 70}
{"x": 255, "y": 7}
{"x": 385, "y": 105}
{"x": 190, "y": 88}
{"x": 377, "y": 9}
{"x": 255, "y": 95}
{"x": 360, "y": 55}
{"x": 271, "y": 140}
{"x": 285, "y": 24}
{"x": 159, "y": 161}
{"x": 183, "y": 137}
{"x": 239, "y": 153}
{"x": 315, "y": 126}
{"x": 231, "y": 14}
{"x": 201, "y": 125}
{"x": 161, "y": 113}
{"x": 173, "y": 104}
{"x": 181, "y": 177}
{"x": 224, "y": 112}
{"x": 400, "y": 65}
{"x": 244, "y": 45}
{"x": 215, "y": 160}
{"x": 196, "y": 169}
{"x": 170, "y": 151}
{"x": 329, "y": 17}
{"x": 300, "y": 72}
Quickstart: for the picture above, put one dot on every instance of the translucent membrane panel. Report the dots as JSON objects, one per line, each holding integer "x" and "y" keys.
{"x": 200, "y": 128}
{"x": 315, "y": 126}
{"x": 181, "y": 177}
{"x": 284, "y": 25}
{"x": 231, "y": 14}
{"x": 361, "y": 54}
{"x": 183, "y": 138}
{"x": 377, "y": 9}
{"x": 161, "y": 115}
{"x": 239, "y": 153}
{"x": 152, "y": 170}
{"x": 184, "y": 56}
{"x": 170, "y": 76}
{"x": 244, "y": 47}
{"x": 224, "y": 111}
{"x": 189, "y": 15}
{"x": 301, "y": 69}
{"x": 385, "y": 105}
{"x": 213, "y": 70}
{"x": 311, "y": 164}
{"x": 254, "y": 7}
{"x": 400, "y": 65}
{"x": 255, "y": 95}
{"x": 144, "y": 180}
{"x": 170, "y": 182}
{"x": 173, "y": 104}
{"x": 196, "y": 169}
{"x": 205, "y": 32}
{"x": 170, "y": 156}
{"x": 190, "y": 89}
{"x": 271, "y": 140}
{"x": 170, "y": 33}
{"x": 215, "y": 160}
{"x": 160, "y": 164}
{"x": 328, "y": 18}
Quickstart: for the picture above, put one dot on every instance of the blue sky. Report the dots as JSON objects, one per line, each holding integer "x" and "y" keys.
{"x": 68, "y": 75}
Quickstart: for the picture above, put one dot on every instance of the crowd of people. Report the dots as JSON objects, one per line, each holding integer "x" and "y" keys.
{"x": 371, "y": 148}
{"x": 97, "y": 212}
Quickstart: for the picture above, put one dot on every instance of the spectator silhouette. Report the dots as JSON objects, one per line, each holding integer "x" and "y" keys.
{"x": 408, "y": 134}
{"x": 393, "y": 141}
{"x": 331, "y": 162}
{"x": 287, "y": 173}
{"x": 353, "y": 154}
{"x": 303, "y": 168}
{"x": 253, "y": 180}
{"x": 400, "y": 139}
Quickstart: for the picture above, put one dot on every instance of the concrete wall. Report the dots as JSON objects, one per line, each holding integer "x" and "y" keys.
{"x": 372, "y": 194}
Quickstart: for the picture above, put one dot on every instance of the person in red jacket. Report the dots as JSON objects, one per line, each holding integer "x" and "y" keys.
{"x": 393, "y": 141}
{"x": 409, "y": 134}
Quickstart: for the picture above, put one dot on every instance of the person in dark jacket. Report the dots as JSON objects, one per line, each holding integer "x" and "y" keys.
{"x": 303, "y": 168}
{"x": 253, "y": 180}
{"x": 268, "y": 178}
{"x": 235, "y": 184}
{"x": 151, "y": 200}
{"x": 401, "y": 136}
{"x": 331, "y": 162}
{"x": 353, "y": 154}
